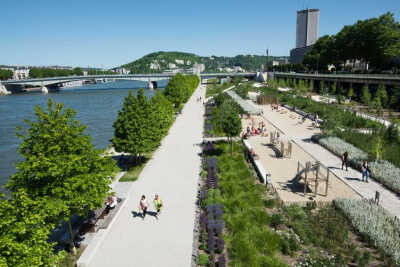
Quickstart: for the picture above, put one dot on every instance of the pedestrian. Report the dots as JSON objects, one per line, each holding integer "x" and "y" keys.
{"x": 365, "y": 171}
{"x": 111, "y": 202}
{"x": 143, "y": 206}
{"x": 345, "y": 157}
{"x": 158, "y": 204}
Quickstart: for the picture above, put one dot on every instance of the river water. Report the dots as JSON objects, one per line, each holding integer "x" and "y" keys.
{"x": 96, "y": 105}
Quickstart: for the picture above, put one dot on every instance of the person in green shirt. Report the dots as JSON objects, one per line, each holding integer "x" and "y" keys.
{"x": 158, "y": 204}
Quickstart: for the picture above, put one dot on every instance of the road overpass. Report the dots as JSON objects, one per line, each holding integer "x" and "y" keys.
{"x": 389, "y": 80}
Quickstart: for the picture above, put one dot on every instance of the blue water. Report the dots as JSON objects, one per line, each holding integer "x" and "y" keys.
{"x": 96, "y": 105}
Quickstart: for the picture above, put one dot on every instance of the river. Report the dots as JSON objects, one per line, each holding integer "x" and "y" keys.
{"x": 96, "y": 105}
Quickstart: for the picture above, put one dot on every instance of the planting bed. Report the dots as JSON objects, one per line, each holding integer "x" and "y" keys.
{"x": 382, "y": 170}
{"x": 374, "y": 224}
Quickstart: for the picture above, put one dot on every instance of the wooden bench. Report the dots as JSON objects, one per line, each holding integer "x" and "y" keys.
{"x": 101, "y": 213}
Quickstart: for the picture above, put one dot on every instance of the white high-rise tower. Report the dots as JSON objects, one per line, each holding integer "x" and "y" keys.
{"x": 306, "y": 33}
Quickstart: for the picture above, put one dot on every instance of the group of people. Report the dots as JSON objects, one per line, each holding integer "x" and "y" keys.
{"x": 260, "y": 130}
{"x": 112, "y": 202}
{"x": 144, "y": 204}
{"x": 364, "y": 167}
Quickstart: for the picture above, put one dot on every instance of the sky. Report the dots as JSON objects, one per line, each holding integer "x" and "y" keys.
{"x": 114, "y": 32}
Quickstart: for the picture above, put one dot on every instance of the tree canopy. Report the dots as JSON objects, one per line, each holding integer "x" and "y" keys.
{"x": 375, "y": 41}
{"x": 5, "y": 74}
{"x": 24, "y": 231}
{"x": 61, "y": 164}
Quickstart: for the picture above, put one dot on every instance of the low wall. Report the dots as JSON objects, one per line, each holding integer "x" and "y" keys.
{"x": 261, "y": 172}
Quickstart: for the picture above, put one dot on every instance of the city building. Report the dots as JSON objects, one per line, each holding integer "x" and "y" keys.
{"x": 155, "y": 65}
{"x": 306, "y": 33}
{"x": 19, "y": 72}
{"x": 122, "y": 71}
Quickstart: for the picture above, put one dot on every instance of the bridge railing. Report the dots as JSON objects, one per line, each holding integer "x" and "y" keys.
{"x": 352, "y": 76}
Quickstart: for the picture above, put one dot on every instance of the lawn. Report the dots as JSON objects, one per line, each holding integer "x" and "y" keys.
{"x": 135, "y": 168}
{"x": 214, "y": 89}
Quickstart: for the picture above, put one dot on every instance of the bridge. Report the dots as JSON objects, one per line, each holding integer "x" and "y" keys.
{"x": 388, "y": 80}
{"x": 150, "y": 78}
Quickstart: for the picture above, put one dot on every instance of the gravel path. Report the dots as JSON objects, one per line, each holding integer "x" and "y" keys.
{"x": 173, "y": 173}
{"x": 289, "y": 123}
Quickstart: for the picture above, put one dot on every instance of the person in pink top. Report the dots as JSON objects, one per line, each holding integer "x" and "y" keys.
{"x": 143, "y": 204}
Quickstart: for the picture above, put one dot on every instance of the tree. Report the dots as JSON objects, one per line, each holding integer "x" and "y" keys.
{"x": 333, "y": 88}
{"x": 350, "y": 93}
{"x": 5, "y": 74}
{"x": 61, "y": 164}
{"x": 132, "y": 129}
{"x": 162, "y": 117}
{"x": 366, "y": 95}
{"x": 395, "y": 98}
{"x": 24, "y": 231}
{"x": 229, "y": 121}
{"x": 175, "y": 91}
{"x": 382, "y": 94}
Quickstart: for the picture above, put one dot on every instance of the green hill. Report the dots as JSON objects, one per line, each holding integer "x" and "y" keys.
{"x": 161, "y": 61}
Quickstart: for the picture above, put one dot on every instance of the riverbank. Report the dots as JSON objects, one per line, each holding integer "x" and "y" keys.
{"x": 96, "y": 108}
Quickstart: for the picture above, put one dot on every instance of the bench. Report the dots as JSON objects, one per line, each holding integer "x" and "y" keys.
{"x": 99, "y": 214}
{"x": 108, "y": 218}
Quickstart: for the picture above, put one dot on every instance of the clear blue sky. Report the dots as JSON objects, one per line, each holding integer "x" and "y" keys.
{"x": 114, "y": 32}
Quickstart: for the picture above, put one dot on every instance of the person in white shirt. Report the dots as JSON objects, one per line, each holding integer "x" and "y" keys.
{"x": 111, "y": 202}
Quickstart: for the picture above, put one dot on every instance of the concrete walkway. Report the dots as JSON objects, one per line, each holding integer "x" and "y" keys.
{"x": 300, "y": 133}
{"x": 173, "y": 173}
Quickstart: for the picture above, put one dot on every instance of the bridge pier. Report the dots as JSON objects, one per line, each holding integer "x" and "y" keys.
{"x": 3, "y": 90}
{"x": 152, "y": 85}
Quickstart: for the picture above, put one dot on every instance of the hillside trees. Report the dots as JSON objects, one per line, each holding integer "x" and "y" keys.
{"x": 61, "y": 164}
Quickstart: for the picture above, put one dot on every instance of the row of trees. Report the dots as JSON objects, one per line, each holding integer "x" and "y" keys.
{"x": 378, "y": 98}
{"x": 49, "y": 72}
{"x": 62, "y": 174}
{"x": 5, "y": 74}
{"x": 180, "y": 88}
{"x": 142, "y": 123}
{"x": 375, "y": 41}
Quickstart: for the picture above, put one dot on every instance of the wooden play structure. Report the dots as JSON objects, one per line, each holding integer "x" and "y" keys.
{"x": 312, "y": 175}
{"x": 267, "y": 100}
{"x": 285, "y": 150}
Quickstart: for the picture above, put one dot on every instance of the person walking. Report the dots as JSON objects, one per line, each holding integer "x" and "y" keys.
{"x": 158, "y": 204}
{"x": 345, "y": 157}
{"x": 365, "y": 171}
{"x": 143, "y": 204}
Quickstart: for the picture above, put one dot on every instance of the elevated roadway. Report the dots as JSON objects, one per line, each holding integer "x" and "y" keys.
{"x": 384, "y": 79}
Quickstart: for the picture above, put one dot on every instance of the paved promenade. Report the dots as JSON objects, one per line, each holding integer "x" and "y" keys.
{"x": 289, "y": 123}
{"x": 173, "y": 173}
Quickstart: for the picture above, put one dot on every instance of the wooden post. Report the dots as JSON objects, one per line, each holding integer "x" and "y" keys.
{"x": 327, "y": 183}
{"x": 316, "y": 181}
{"x": 305, "y": 177}
{"x": 298, "y": 167}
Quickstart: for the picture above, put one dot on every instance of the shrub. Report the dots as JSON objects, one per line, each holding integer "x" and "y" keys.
{"x": 376, "y": 223}
{"x": 270, "y": 203}
{"x": 276, "y": 220}
{"x": 202, "y": 260}
{"x": 382, "y": 170}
